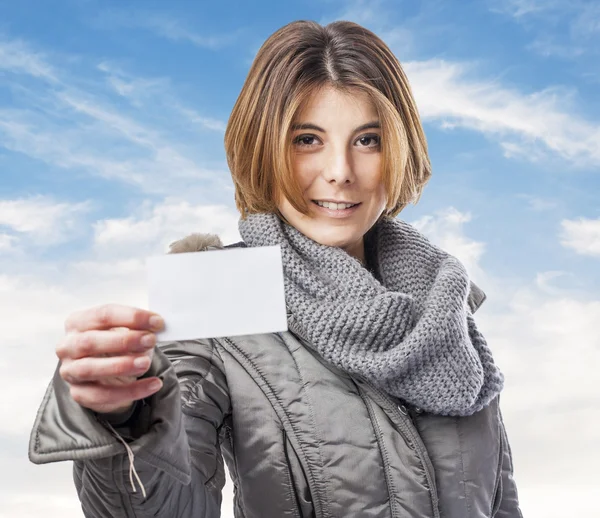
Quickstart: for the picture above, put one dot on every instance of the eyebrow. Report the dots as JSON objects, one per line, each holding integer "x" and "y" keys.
{"x": 309, "y": 126}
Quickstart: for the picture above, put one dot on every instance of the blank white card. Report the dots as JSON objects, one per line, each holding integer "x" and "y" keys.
{"x": 215, "y": 293}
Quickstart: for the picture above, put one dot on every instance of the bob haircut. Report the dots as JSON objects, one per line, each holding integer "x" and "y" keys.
{"x": 294, "y": 63}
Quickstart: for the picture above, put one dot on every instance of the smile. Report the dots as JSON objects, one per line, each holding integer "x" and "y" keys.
{"x": 335, "y": 206}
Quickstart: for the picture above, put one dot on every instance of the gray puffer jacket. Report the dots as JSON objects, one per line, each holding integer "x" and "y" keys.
{"x": 299, "y": 437}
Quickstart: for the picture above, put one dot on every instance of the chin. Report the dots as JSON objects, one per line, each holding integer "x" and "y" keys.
{"x": 336, "y": 236}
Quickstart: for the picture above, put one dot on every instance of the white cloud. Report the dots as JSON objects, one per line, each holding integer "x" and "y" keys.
{"x": 100, "y": 150}
{"x": 446, "y": 230}
{"x": 538, "y": 204}
{"x": 546, "y": 47}
{"x": 548, "y": 348}
{"x": 136, "y": 89}
{"x": 30, "y": 306}
{"x": 362, "y": 12}
{"x": 195, "y": 118}
{"x": 587, "y": 22}
{"x": 72, "y": 124}
{"x": 43, "y": 220}
{"x": 547, "y": 20}
{"x": 143, "y": 91}
{"x": 582, "y": 17}
{"x": 447, "y": 95}
{"x": 581, "y": 235}
{"x": 118, "y": 268}
{"x": 543, "y": 281}
{"x": 130, "y": 129}
{"x": 530, "y": 151}
{"x": 34, "y": 505}
{"x": 16, "y": 57}
{"x": 175, "y": 30}
{"x": 162, "y": 155}
{"x": 6, "y": 242}
{"x": 163, "y": 25}
{"x": 520, "y": 8}
{"x": 33, "y": 311}
{"x": 33, "y": 491}
{"x": 575, "y": 501}
{"x": 157, "y": 226}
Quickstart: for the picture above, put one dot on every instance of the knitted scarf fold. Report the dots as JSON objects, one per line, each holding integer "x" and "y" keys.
{"x": 411, "y": 333}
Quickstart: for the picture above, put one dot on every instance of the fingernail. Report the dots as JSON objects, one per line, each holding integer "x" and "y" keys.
{"x": 148, "y": 340}
{"x": 156, "y": 322}
{"x": 141, "y": 362}
{"x": 155, "y": 385}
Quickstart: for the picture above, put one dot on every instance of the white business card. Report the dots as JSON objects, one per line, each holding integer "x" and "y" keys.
{"x": 237, "y": 291}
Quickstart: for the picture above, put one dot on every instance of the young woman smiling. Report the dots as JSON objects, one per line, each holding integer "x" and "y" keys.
{"x": 382, "y": 400}
{"x": 338, "y": 170}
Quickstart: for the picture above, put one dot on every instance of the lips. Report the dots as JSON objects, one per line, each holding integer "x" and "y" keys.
{"x": 335, "y": 205}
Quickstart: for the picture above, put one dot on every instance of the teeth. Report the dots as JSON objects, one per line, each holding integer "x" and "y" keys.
{"x": 335, "y": 206}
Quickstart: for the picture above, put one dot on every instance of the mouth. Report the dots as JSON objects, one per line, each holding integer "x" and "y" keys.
{"x": 335, "y": 205}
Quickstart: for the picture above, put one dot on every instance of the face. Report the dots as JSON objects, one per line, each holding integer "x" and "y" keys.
{"x": 336, "y": 159}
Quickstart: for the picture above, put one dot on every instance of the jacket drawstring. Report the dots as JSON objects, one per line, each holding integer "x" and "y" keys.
{"x": 132, "y": 470}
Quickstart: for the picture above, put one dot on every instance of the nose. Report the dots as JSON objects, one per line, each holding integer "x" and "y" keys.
{"x": 338, "y": 167}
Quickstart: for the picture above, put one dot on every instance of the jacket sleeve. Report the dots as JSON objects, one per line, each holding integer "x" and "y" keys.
{"x": 173, "y": 445}
{"x": 509, "y": 503}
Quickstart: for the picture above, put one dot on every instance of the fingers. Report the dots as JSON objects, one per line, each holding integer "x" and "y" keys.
{"x": 105, "y": 350}
{"x": 113, "y": 315}
{"x": 77, "y": 345}
{"x": 101, "y": 398}
{"x": 93, "y": 368}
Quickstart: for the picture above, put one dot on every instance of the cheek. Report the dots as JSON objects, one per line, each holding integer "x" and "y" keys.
{"x": 379, "y": 195}
{"x": 373, "y": 182}
{"x": 305, "y": 172}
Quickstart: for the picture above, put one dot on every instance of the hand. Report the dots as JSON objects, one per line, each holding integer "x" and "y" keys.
{"x": 105, "y": 350}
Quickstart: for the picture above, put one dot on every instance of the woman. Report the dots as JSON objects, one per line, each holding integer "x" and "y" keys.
{"x": 381, "y": 400}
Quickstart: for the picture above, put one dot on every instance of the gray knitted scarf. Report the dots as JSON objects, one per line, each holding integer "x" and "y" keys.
{"x": 405, "y": 326}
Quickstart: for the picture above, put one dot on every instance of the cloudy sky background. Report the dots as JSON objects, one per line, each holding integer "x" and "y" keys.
{"x": 112, "y": 116}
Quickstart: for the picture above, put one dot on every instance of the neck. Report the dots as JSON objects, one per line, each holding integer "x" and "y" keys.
{"x": 357, "y": 250}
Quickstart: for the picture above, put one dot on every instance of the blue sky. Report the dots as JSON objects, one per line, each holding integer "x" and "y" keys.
{"x": 112, "y": 117}
{"x": 168, "y": 77}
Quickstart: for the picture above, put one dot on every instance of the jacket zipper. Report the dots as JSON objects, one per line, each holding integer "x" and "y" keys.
{"x": 318, "y": 501}
{"x": 405, "y": 424}
{"x": 288, "y": 468}
{"x": 382, "y": 449}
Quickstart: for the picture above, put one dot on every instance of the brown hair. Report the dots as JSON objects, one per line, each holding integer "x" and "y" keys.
{"x": 292, "y": 64}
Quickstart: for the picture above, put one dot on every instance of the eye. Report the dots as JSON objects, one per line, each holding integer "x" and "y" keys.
{"x": 305, "y": 140}
{"x": 372, "y": 140}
